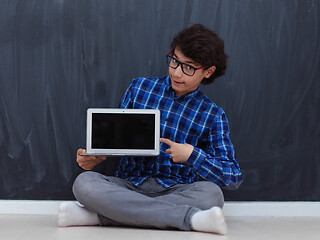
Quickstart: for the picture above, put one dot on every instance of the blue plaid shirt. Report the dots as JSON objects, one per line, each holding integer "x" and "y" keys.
{"x": 193, "y": 119}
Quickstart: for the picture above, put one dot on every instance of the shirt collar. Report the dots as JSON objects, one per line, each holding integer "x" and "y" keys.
{"x": 184, "y": 97}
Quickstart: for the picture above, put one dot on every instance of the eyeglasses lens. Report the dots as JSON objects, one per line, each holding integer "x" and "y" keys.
{"x": 188, "y": 70}
{"x": 171, "y": 62}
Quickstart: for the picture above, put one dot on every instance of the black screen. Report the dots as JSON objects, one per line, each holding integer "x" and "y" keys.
{"x": 123, "y": 131}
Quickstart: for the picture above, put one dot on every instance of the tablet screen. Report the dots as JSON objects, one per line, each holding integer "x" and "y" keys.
{"x": 123, "y": 131}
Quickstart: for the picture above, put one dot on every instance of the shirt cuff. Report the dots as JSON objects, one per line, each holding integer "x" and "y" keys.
{"x": 196, "y": 158}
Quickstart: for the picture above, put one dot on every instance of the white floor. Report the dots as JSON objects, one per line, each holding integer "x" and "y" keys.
{"x": 34, "y": 227}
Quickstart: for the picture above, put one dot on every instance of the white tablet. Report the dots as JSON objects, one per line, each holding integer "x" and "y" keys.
{"x": 123, "y": 132}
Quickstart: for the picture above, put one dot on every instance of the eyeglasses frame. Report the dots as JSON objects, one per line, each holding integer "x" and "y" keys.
{"x": 181, "y": 64}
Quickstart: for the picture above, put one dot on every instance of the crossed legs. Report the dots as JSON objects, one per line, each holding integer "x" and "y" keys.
{"x": 113, "y": 201}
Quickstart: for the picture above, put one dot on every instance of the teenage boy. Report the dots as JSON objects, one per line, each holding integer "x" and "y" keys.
{"x": 179, "y": 189}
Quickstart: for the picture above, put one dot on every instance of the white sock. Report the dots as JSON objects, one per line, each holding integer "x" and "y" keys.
{"x": 72, "y": 214}
{"x": 211, "y": 220}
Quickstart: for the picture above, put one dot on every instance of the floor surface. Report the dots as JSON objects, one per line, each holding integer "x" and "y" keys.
{"x": 34, "y": 227}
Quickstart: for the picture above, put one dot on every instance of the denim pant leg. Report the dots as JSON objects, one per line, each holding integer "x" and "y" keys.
{"x": 118, "y": 202}
{"x": 202, "y": 195}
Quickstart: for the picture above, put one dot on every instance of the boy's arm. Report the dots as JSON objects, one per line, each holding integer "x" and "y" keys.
{"x": 217, "y": 163}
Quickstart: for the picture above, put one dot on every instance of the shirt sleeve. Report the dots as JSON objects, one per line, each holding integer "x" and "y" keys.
{"x": 126, "y": 101}
{"x": 217, "y": 163}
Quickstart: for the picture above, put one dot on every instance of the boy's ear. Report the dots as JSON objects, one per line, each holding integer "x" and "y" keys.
{"x": 210, "y": 71}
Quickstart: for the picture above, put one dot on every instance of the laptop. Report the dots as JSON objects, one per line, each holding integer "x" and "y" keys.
{"x": 122, "y": 132}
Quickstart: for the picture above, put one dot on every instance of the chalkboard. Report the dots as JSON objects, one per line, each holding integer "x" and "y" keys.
{"x": 57, "y": 58}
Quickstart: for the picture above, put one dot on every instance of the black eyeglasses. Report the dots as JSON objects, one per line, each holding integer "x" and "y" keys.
{"x": 186, "y": 68}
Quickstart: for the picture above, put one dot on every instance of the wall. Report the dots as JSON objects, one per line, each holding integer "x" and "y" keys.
{"x": 57, "y": 58}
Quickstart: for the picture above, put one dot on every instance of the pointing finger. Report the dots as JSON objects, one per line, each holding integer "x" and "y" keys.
{"x": 166, "y": 141}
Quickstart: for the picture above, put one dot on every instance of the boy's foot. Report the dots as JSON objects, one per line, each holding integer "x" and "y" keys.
{"x": 211, "y": 220}
{"x": 71, "y": 214}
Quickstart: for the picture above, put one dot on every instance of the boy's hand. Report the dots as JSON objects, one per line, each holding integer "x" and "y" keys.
{"x": 180, "y": 153}
{"x": 88, "y": 162}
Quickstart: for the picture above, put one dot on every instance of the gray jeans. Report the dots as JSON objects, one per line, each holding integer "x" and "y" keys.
{"x": 120, "y": 203}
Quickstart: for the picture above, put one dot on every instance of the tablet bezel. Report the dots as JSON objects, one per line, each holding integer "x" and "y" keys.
{"x": 123, "y": 152}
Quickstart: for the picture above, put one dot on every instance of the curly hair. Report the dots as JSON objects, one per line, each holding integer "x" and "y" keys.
{"x": 203, "y": 46}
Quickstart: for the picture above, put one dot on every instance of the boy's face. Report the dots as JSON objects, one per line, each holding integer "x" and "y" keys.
{"x": 182, "y": 83}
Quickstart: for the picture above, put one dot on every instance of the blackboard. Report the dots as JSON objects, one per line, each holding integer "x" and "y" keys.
{"x": 57, "y": 58}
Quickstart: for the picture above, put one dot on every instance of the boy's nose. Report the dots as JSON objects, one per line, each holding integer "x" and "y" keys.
{"x": 178, "y": 71}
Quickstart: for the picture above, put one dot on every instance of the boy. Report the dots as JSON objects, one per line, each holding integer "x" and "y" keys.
{"x": 166, "y": 192}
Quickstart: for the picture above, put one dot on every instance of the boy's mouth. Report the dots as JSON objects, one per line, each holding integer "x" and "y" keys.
{"x": 177, "y": 82}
